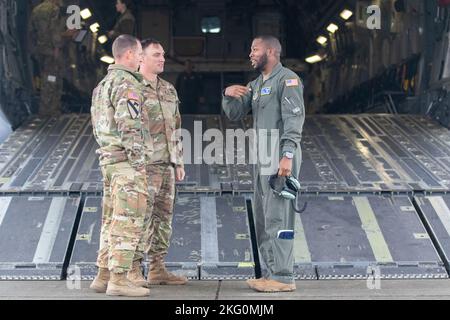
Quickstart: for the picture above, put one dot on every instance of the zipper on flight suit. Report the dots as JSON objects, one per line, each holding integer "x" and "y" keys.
{"x": 258, "y": 99}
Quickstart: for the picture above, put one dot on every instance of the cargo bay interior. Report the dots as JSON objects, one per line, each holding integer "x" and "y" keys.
{"x": 376, "y": 145}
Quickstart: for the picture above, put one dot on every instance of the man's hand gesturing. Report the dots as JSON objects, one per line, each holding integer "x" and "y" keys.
{"x": 236, "y": 91}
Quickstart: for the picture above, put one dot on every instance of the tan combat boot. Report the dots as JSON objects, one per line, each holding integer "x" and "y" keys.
{"x": 119, "y": 285}
{"x": 253, "y": 282}
{"x": 269, "y": 285}
{"x": 159, "y": 275}
{"x": 135, "y": 275}
{"x": 100, "y": 282}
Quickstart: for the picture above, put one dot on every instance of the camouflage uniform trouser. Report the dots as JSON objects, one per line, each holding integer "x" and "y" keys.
{"x": 161, "y": 190}
{"x": 51, "y": 85}
{"x": 124, "y": 209}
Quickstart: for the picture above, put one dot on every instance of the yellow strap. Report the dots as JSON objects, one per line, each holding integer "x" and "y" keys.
{"x": 301, "y": 250}
{"x": 370, "y": 225}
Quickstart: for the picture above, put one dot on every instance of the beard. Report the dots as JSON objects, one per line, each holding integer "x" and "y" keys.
{"x": 262, "y": 63}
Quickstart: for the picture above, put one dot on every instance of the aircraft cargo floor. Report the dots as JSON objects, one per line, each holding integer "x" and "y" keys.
{"x": 376, "y": 187}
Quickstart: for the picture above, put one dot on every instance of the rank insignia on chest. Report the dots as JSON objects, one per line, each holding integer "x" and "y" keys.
{"x": 134, "y": 108}
{"x": 255, "y": 96}
{"x": 266, "y": 91}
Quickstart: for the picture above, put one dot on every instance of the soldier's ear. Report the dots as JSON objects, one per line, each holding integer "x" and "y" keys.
{"x": 129, "y": 53}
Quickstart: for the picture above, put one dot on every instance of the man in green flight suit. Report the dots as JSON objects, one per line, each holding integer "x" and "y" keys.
{"x": 276, "y": 99}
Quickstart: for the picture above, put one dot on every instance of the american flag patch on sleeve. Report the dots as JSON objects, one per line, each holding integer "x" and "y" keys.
{"x": 292, "y": 83}
{"x": 133, "y": 95}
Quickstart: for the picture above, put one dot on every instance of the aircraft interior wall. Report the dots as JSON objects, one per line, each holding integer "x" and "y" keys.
{"x": 400, "y": 68}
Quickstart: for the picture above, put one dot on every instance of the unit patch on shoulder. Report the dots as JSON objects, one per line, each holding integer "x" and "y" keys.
{"x": 292, "y": 83}
{"x": 134, "y": 108}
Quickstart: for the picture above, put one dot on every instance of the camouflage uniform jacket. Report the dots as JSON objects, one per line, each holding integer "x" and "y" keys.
{"x": 46, "y": 28}
{"x": 163, "y": 120}
{"x": 125, "y": 24}
{"x": 117, "y": 118}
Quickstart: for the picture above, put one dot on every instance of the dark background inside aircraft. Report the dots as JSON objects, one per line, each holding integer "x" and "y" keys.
{"x": 399, "y": 67}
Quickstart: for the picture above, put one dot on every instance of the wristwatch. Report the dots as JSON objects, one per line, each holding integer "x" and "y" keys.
{"x": 288, "y": 155}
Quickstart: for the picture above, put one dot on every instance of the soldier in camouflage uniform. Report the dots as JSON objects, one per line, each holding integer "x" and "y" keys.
{"x": 46, "y": 31}
{"x": 117, "y": 122}
{"x": 162, "y": 119}
{"x": 126, "y": 22}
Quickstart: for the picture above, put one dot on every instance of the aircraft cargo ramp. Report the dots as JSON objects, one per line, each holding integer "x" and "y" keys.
{"x": 376, "y": 187}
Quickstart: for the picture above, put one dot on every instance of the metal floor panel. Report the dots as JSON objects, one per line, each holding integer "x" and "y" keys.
{"x": 34, "y": 236}
{"x": 343, "y": 236}
{"x": 226, "y": 253}
{"x": 184, "y": 253}
{"x": 238, "y": 161}
{"x": 374, "y": 153}
{"x": 436, "y": 214}
{"x": 87, "y": 241}
{"x": 346, "y": 153}
{"x": 210, "y": 238}
{"x": 17, "y": 142}
{"x": 57, "y": 148}
{"x": 201, "y": 177}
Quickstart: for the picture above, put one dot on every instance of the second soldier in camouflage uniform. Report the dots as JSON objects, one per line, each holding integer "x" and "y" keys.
{"x": 46, "y": 31}
{"x": 163, "y": 121}
{"x": 125, "y": 24}
{"x": 117, "y": 122}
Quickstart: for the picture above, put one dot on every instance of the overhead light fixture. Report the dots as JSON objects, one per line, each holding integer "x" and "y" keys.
{"x": 102, "y": 39}
{"x": 214, "y": 30}
{"x": 322, "y": 40}
{"x": 332, "y": 28}
{"x": 94, "y": 27}
{"x": 314, "y": 59}
{"x": 85, "y": 14}
{"x": 107, "y": 59}
{"x": 346, "y": 14}
{"x": 211, "y": 25}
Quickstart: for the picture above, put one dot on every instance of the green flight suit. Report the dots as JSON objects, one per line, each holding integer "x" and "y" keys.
{"x": 278, "y": 107}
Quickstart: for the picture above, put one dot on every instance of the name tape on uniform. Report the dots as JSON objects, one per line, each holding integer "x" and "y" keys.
{"x": 266, "y": 91}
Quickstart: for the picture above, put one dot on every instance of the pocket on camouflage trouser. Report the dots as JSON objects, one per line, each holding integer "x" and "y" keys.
{"x": 158, "y": 224}
{"x": 128, "y": 199}
{"x": 51, "y": 86}
{"x": 107, "y": 212}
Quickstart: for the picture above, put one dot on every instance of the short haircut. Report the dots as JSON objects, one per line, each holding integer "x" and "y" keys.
{"x": 272, "y": 43}
{"x": 148, "y": 42}
{"x": 122, "y": 44}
